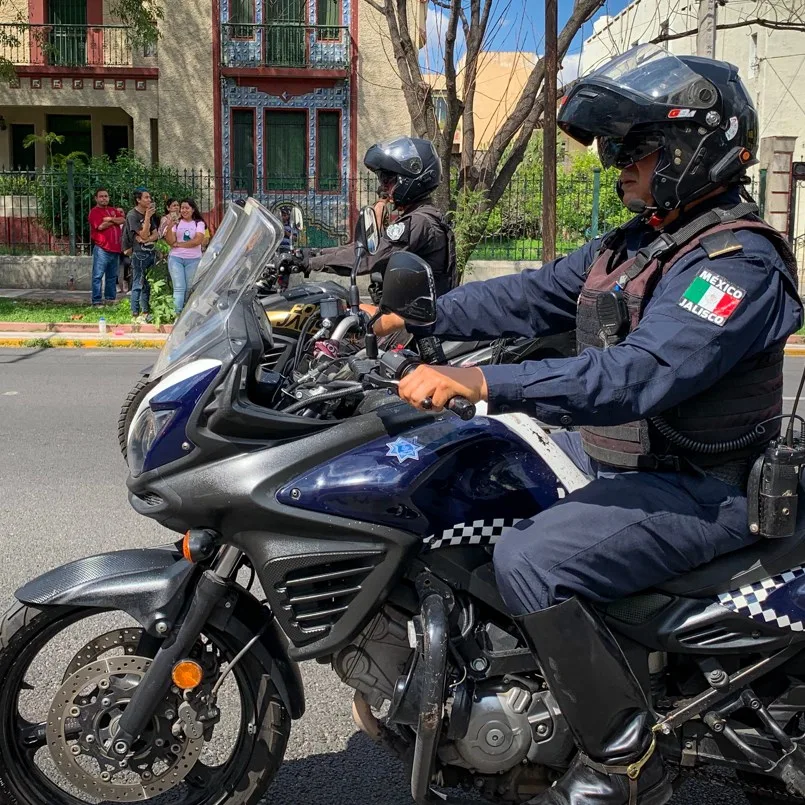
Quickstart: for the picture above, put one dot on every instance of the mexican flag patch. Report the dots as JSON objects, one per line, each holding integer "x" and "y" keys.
{"x": 711, "y": 297}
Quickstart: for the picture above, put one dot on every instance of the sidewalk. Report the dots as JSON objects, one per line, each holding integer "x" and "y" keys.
{"x": 138, "y": 336}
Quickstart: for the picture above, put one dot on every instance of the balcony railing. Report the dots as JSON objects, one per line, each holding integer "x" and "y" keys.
{"x": 66, "y": 45}
{"x": 322, "y": 47}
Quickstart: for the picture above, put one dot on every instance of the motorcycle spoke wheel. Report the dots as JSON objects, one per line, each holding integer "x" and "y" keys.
{"x": 54, "y": 724}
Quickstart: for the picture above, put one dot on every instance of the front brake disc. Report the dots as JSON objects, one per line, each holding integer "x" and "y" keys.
{"x": 93, "y": 698}
{"x": 127, "y": 639}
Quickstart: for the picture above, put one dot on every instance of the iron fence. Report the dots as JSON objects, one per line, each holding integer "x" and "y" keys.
{"x": 285, "y": 45}
{"x": 66, "y": 45}
{"x": 46, "y": 211}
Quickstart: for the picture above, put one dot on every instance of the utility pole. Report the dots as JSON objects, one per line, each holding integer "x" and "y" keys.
{"x": 549, "y": 135}
{"x": 706, "y": 36}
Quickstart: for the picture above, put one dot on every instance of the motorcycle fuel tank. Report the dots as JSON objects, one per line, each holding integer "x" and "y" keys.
{"x": 431, "y": 478}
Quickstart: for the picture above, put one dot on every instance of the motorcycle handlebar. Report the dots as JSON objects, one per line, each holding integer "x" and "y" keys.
{"x": 460, "y": 406}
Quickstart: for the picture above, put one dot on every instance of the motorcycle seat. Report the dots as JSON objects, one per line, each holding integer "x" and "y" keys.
{"x": 731, "y": 571}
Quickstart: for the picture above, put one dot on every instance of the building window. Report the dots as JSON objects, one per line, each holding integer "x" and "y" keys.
{"x": 22, "y": 158}
{"x": 286, "y": 138}
{"x": 754, "y": 62}
{"x": 328, "y": 151}
{"x": 67, "y": 35}
{"x": 76, "y": 130}
{"x": 328, "y": 13}
{"x": 241, "y": 11}
{"x": 243, "y": 150}
{"x": 440, "y": 107}
{"x": 115, "y": 140}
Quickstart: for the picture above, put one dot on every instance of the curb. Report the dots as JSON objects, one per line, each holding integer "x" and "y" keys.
{"x": 33, "y": 340}
{"x": 76, "y": 327}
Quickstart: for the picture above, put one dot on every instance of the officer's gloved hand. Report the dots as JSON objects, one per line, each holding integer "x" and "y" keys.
{"x": 293, "y": 261}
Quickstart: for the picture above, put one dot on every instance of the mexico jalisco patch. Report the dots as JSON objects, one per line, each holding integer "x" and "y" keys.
{"x": 711, "y": 297}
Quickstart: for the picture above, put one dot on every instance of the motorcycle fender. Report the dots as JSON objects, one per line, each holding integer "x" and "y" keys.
{"x": 146, "y": 583}
{"x": 149, "y": 584}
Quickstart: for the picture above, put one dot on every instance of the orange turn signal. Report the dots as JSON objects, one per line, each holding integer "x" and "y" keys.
{"x": 186, "y": 547}
{"x": 187, "y": 675}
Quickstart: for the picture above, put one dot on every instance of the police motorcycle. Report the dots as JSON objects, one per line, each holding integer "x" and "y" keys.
{"x": 154, "y": 672}
{"x": 293, "y": 309}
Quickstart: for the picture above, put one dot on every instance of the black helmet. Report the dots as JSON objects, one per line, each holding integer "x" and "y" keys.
{"x": 412, "y": 162}
{"x": 696, "y": 112}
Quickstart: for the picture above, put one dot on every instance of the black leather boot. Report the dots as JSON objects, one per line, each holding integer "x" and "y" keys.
{"x": 605, "y": 707}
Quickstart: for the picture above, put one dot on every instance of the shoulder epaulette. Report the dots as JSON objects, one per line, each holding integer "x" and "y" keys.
{"x": 720, "y": 243}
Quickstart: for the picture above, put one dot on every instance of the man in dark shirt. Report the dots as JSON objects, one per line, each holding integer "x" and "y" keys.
{"x": 139, "y": 235}
{"x": 408, "y": 170}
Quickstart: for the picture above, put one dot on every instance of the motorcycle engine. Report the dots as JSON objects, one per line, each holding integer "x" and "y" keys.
{"x": 508, "y": 725}
{"x": 378, "y": 656}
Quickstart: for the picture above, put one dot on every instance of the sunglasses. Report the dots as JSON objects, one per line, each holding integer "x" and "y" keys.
{"x": 620, "y": 152}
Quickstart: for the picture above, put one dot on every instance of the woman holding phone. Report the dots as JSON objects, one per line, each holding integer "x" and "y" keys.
{"x": 185, "y": 238}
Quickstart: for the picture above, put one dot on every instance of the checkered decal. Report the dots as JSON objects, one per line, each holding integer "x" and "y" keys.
{"x": 478, "y": 532}
{"x": 750, "y": 600}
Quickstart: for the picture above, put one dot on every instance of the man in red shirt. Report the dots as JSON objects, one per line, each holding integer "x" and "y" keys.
{"x": 104, "y": 228}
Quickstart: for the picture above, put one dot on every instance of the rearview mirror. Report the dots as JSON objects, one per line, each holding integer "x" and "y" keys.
{"x": 409, "y": 289}
{"x": 367, "y": 233}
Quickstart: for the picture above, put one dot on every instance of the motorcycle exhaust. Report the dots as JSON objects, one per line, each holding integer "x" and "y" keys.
{"x": 433, "y": 669}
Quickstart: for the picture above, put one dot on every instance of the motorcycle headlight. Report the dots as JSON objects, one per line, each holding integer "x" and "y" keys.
{"x": 147, "y": 428}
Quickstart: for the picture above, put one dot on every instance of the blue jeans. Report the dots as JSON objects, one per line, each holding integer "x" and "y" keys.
{"x": 622, "y": 533}
{"x": 140, "y": 289}
{"x": 181, "y": 270}
{"x": 104, "y": 264}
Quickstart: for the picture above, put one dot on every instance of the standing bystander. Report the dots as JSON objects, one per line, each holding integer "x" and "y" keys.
{"x": 185, "y": 239}
{"x": 139, "y": 235}
{"x": 105, "y": 233}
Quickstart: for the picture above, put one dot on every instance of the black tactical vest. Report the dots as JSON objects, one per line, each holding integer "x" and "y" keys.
{"x": 751, "y": 393}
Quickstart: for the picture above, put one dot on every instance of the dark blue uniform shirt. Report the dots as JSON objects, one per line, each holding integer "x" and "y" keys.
{"x": 671, "y": 356}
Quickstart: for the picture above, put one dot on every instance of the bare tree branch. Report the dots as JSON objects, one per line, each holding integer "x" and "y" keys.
{"x": 776, "y": 25}
{"x": 582, "y": 11}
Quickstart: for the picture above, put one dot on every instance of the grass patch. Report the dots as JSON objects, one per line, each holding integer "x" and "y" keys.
{"x": 48, "y": 312}
{"x": 37, "y": 343}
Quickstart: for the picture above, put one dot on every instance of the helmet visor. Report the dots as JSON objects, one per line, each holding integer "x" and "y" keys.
{"x": 403, "y": 150}
{"x": 659, "y": 77}
{"x": 620, "y": 152}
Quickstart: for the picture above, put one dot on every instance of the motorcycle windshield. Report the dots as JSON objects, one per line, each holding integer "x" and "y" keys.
{"x": 233, "y": 214}
{"x": 201, "y": 329}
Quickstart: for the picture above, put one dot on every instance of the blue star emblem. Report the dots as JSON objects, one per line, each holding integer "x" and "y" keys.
{"x": 403, "y": 449}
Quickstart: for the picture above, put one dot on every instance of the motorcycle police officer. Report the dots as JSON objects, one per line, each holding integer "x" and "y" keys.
{"x": 681, "y": 317}
{"x": 408, "y": 171}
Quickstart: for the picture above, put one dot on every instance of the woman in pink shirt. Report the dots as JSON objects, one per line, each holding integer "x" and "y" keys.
{"x": 185, "y": 238}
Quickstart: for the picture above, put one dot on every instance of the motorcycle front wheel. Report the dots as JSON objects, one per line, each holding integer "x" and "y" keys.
{"x": 66, "y": 674}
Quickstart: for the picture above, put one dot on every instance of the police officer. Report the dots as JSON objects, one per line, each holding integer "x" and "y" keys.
{"x": 681, "y": 317}
{"x": 408, "y": 171}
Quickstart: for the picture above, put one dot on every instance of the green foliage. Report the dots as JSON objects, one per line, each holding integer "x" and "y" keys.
{"x": 161, "y": 301}
{"x": 13, "y": 184}
{"x": 575, "y": 197}
{"x": 59, "y": 313}
{"x": 120, "y": 177}
{"x": 513, "y": 228}
{"x": 469, "y": 223}
{"x": 142, "y": 17}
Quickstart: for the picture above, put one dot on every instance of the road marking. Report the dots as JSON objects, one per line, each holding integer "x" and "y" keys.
{"x": 10, "y": 393}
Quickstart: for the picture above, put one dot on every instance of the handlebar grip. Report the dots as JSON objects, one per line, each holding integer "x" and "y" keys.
{"x": 462, "y": 408}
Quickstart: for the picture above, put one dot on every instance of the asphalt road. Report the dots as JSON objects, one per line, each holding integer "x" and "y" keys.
{"x": 63, "y": 495}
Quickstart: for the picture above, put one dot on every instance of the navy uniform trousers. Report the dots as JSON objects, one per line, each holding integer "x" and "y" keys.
{"x": 622, "y": 533}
